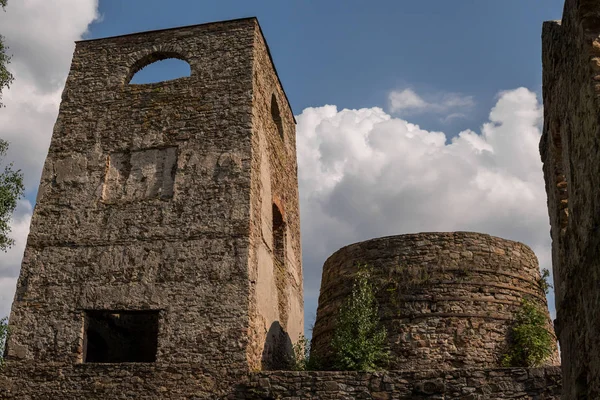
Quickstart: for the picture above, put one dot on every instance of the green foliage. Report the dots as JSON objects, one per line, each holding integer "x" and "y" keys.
{"x": 543, "y": 282}
{"x": 3, "y": 335}
{"x": 6, "y": 77}
{"x": 529, "y": 339}
{"x": 11, "y": 190}
{"x": 302, "y": 359}
{"x": 359, "y": 342}
{"x": 11, "y": 181}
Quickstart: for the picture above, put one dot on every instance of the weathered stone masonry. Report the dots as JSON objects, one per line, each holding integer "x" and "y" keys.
{"x": 149, "y": 381}
{"x": 457, "y": 384}
{"x": 570, "y": 148}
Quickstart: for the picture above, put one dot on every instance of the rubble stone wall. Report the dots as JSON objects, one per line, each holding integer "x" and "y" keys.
{"x": 466, "y": 384}
{"x": 190, "y": 381}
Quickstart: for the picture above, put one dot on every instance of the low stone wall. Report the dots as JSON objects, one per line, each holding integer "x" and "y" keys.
{"x": 151, "y": 381}
{"x": 464, "y": 384}
{"x": 104, "y": 381}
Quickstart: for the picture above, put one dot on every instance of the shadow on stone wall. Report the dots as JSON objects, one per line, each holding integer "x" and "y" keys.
{"x": 278, "y": 350}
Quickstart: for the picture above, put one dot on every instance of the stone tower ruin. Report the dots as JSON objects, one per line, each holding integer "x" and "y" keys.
{"x": 166, "y": 229}
{"x": 446, "y": 299}
{"x": 570, "y": 150}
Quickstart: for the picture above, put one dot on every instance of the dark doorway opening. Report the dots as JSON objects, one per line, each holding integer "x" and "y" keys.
{"x": 120, "y": 336}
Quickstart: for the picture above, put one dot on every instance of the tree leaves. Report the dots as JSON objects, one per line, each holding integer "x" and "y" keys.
{"x": 6, "y": 77}
{"x": 530, "y": 341}
{"x": 360, "y": 342}
{"x": 11, "y": 190}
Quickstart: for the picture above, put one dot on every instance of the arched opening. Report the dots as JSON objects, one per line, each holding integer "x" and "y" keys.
{"x": 276, "y": 115}
{"x": 159, "y": 67}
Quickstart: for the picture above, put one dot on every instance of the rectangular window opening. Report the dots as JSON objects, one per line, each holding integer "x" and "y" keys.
{"x": 120, "y": 336}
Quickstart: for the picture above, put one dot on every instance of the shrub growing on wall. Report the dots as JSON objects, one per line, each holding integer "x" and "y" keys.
{"x": 544, "y": 281}
{"x": 530, "y": 342}
{"x": 359, "y": 341}
{"x": 302, "y": 360}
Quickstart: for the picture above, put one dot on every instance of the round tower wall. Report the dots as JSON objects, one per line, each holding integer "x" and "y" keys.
{"x": 447, "y": 300}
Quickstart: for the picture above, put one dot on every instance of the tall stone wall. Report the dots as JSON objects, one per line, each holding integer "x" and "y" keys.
{"x": 447, "y": 300}
{"x": 147, "y": 207}
{"x": 570, "y": 152}
{"x": 277, "y": 313}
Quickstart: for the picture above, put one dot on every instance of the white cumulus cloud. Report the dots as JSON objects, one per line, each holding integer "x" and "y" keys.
{"x": 10, "y": 262}
{"x": 449, "y": 105}
{"x": 365, "y": 174}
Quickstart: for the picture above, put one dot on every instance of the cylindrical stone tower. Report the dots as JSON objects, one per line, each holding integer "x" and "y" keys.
{"x": 446, "y": 299}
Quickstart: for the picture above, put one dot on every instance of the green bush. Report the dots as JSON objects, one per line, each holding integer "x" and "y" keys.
{"x": 302, "y": 359}
{"x": 360, "y": 342}
{"x": 544, "y": 281}
{"x": 530, "y": 342}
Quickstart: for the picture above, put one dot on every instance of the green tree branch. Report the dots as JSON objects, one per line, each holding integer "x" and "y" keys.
{"x": 11, "y": 190}
{"x": 360, "y": 342}
{"x": 6, "y": 77}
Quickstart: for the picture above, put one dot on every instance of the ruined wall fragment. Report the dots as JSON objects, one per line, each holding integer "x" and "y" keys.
{"x": 570, "y": 150}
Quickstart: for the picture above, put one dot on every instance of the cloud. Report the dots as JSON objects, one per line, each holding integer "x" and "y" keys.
{"x": 40, "y": 35}
{"x": 452, "y": 105}
{"x": 11, "y": 260}
{"x": 365, "y": 174}
{"x": 407, "y": 100}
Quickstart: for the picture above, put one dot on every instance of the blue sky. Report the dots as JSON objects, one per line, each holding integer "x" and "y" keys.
{"x": 352, "y": 53}
{"x": 401, "y": 80}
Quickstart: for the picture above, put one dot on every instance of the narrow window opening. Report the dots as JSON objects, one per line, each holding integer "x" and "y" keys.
{"x": 562, "y": 193}
{"x": 581, "y": 387}
{"x": 278, "y": 237}
{"x": 160, "y": 70}
{"x": 120, "y": 336}
{"x": 280, "y": 270}
{"x": 276, "y": 115}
